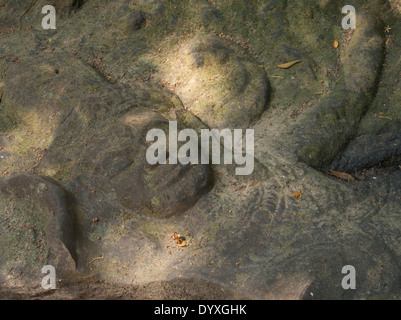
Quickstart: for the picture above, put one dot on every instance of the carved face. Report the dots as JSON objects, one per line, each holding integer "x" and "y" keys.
{"x": 99, "y": 141}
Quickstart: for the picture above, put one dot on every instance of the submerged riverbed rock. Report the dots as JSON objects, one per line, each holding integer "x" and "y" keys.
{"x": 77, "y": 192}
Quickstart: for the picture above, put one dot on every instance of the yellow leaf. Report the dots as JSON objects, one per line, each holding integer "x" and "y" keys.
{"x": 288, "y": 64}
{"x": 297, "y": 194}
{"x": 183, "y": 243}
{"x": 335, "y": 44}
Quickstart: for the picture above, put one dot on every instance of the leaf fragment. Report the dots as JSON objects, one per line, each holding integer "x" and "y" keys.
{"x": 183, "y": 243}
{"x": 335, "y": 44}
{"x": 296, "y": 194}
{"x": 179, "y": 240}
{"x": 384, "y": 117}
{"x": 342, "y": 175}
{"x": 288, "y": 64}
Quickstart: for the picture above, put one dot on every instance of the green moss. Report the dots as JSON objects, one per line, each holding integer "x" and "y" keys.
{"x": 8, "y": 119}
{"x": 155, "y": 202}
{"x": 143, "y": 69}
{"x": 23, "y": 236}
{"x": 149, "y": 229}
{"x": 312, "y": 155}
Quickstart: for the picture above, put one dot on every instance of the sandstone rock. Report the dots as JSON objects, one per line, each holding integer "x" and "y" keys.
{"x": 37, "y": 227}
{"x": 78, "y": 101}
{"x": 220, "y": 83}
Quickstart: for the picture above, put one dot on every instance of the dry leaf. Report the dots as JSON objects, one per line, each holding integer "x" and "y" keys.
{"x": 288, "y": 64}
{"x": 183, "y": 243}
{"x": 335, "y": 44}
{"x": 297, "y": 194}
{"x": 180, "y": 241}
{"x": 342, "y": 175}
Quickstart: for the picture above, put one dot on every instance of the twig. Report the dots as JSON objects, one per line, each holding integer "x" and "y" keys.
{"x": 97, "y": 258}
{"x": 26, "y": 11}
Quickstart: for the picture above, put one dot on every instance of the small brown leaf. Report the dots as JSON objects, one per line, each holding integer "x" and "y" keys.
{"x": 179, "y": 240}
{"x": 297, "y": 194}
{"x": 288, "y": 64}
{"x": 342, "y": 175}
